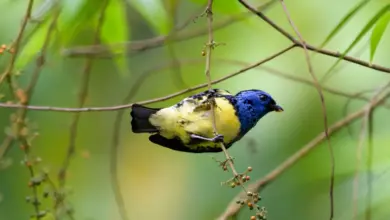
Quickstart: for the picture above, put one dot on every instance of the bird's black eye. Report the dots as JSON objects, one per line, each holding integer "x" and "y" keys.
{"x": 263, "y": 97}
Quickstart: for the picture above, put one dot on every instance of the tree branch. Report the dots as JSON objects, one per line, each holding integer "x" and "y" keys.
{"x": 83, "y": 93}
{"x": 323, "y": 106}
{"x": 362, "y": 138}
{"x": 103, "y": 51}
{"x": 16, "y": 45}
{"x": 119, "y": 107}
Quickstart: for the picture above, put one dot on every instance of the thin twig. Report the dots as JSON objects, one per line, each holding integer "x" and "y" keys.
{"x": 210, "y": 46}
{"x": 119, "y": 107}
{"x": 83, "y": 93}
{"x": 116, "y": 136}
{"x": 16, "y": 44}
{"x": 103, "y": 51}
{"x": 233, "y": 208}
{"x": 310, "y": 47}
{"x": 345, "y": 108}
{"x": 21, "y": 115}
{"x": 177, "y": 70}
{"x": 362, "y": 138}
{"x": 323, "y": 105}
{"x": 116, "y": 188}
{"x": 169, "y": 65}
{"x": 370, "y": 155}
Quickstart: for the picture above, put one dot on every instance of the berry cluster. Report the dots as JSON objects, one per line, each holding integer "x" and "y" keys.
{"x": 4, "y": 48}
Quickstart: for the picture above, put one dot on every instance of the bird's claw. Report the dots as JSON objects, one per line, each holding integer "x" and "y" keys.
{"x": 218, "y": 138}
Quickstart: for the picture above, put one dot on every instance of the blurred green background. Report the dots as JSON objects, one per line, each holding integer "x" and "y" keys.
{"x": 159, "y": 183}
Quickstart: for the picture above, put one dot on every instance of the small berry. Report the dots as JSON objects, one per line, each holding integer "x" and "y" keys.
{"x": 203, "y": 53}
{"x": 3, "y": 46}
{"x": 233, "y": 184}
{"x": 249, "y": 194}
{"x": 247, "y": 178}
{"x": 253, "y": 217}
{"x": 224, "y": 167}
{"x": 1, "y": 50}
{"x": 250, "y": 204}
{"x": 249, "y": 169}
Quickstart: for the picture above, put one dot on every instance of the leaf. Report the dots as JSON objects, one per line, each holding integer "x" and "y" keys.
{"x": 344, "y": 21}
{"x": 378, "y": 32}
{"x": 365, "y": 29}
{"x": 115, "y": 30}
{"x": 154, "y": 12}
{"x": 76, "y": 16}
{"x": 33, "y": 45}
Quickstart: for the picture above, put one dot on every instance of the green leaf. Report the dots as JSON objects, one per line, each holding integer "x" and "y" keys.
{"x": 76, "y": 16}
{"x": 378, "y": 32}
{"x": 155, "y": 13}
{"x": 345, "y": 20}
{"x": 361, "y": 34}
{"x": 115, "y": 30}
{"x": 33, "y": 45}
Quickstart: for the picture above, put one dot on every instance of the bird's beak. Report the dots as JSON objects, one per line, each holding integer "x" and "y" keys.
{"x": 277, "y": 108}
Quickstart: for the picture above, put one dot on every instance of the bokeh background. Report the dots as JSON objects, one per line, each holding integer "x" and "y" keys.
{"x": 159, "y": 183}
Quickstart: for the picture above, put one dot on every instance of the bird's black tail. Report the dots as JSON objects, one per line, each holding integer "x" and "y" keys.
{"x": 140, "y": 119}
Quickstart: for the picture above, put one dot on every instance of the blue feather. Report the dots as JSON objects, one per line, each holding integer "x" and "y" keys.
{"x": 251, "y": 108}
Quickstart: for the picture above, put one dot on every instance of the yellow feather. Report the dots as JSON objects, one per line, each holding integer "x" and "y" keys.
{"x": 194, "y": 117}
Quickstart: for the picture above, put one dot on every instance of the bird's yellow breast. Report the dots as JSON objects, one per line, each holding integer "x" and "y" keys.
{"x": 191, "y": 118}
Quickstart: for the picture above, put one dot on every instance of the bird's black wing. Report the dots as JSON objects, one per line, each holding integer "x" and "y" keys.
{"x": 202, "y": 99}
{"x": 176, "y": 144}
{"x": 210, "y": 94}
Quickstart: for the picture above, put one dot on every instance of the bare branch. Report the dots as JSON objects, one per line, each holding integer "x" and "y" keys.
{"x": 323, "y": 106}
{"x": 83, "y": 93}
{"x": 363, "y": 133}
{"x": 369, "y": 164}
{"x": 24, "y": 98}
{"x": 103, "y": 51}
{"x": 16, "y": 45}
{"x": 119, "y": 107}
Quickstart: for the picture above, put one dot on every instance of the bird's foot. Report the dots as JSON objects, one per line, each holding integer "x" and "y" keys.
{"x": 218, "y": 138}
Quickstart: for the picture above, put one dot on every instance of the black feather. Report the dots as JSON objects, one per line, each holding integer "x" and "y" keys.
{"x": 140, "y": 119}
{"x": 176, "y": 144}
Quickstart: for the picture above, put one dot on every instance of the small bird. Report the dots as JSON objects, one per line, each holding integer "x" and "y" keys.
{"x": 188, "y": 126}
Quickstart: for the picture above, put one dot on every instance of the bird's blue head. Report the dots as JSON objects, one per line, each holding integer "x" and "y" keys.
{"x": 252, "y": 105}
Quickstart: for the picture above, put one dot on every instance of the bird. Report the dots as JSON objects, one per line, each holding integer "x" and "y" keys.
{"x": 187, "y": 126}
